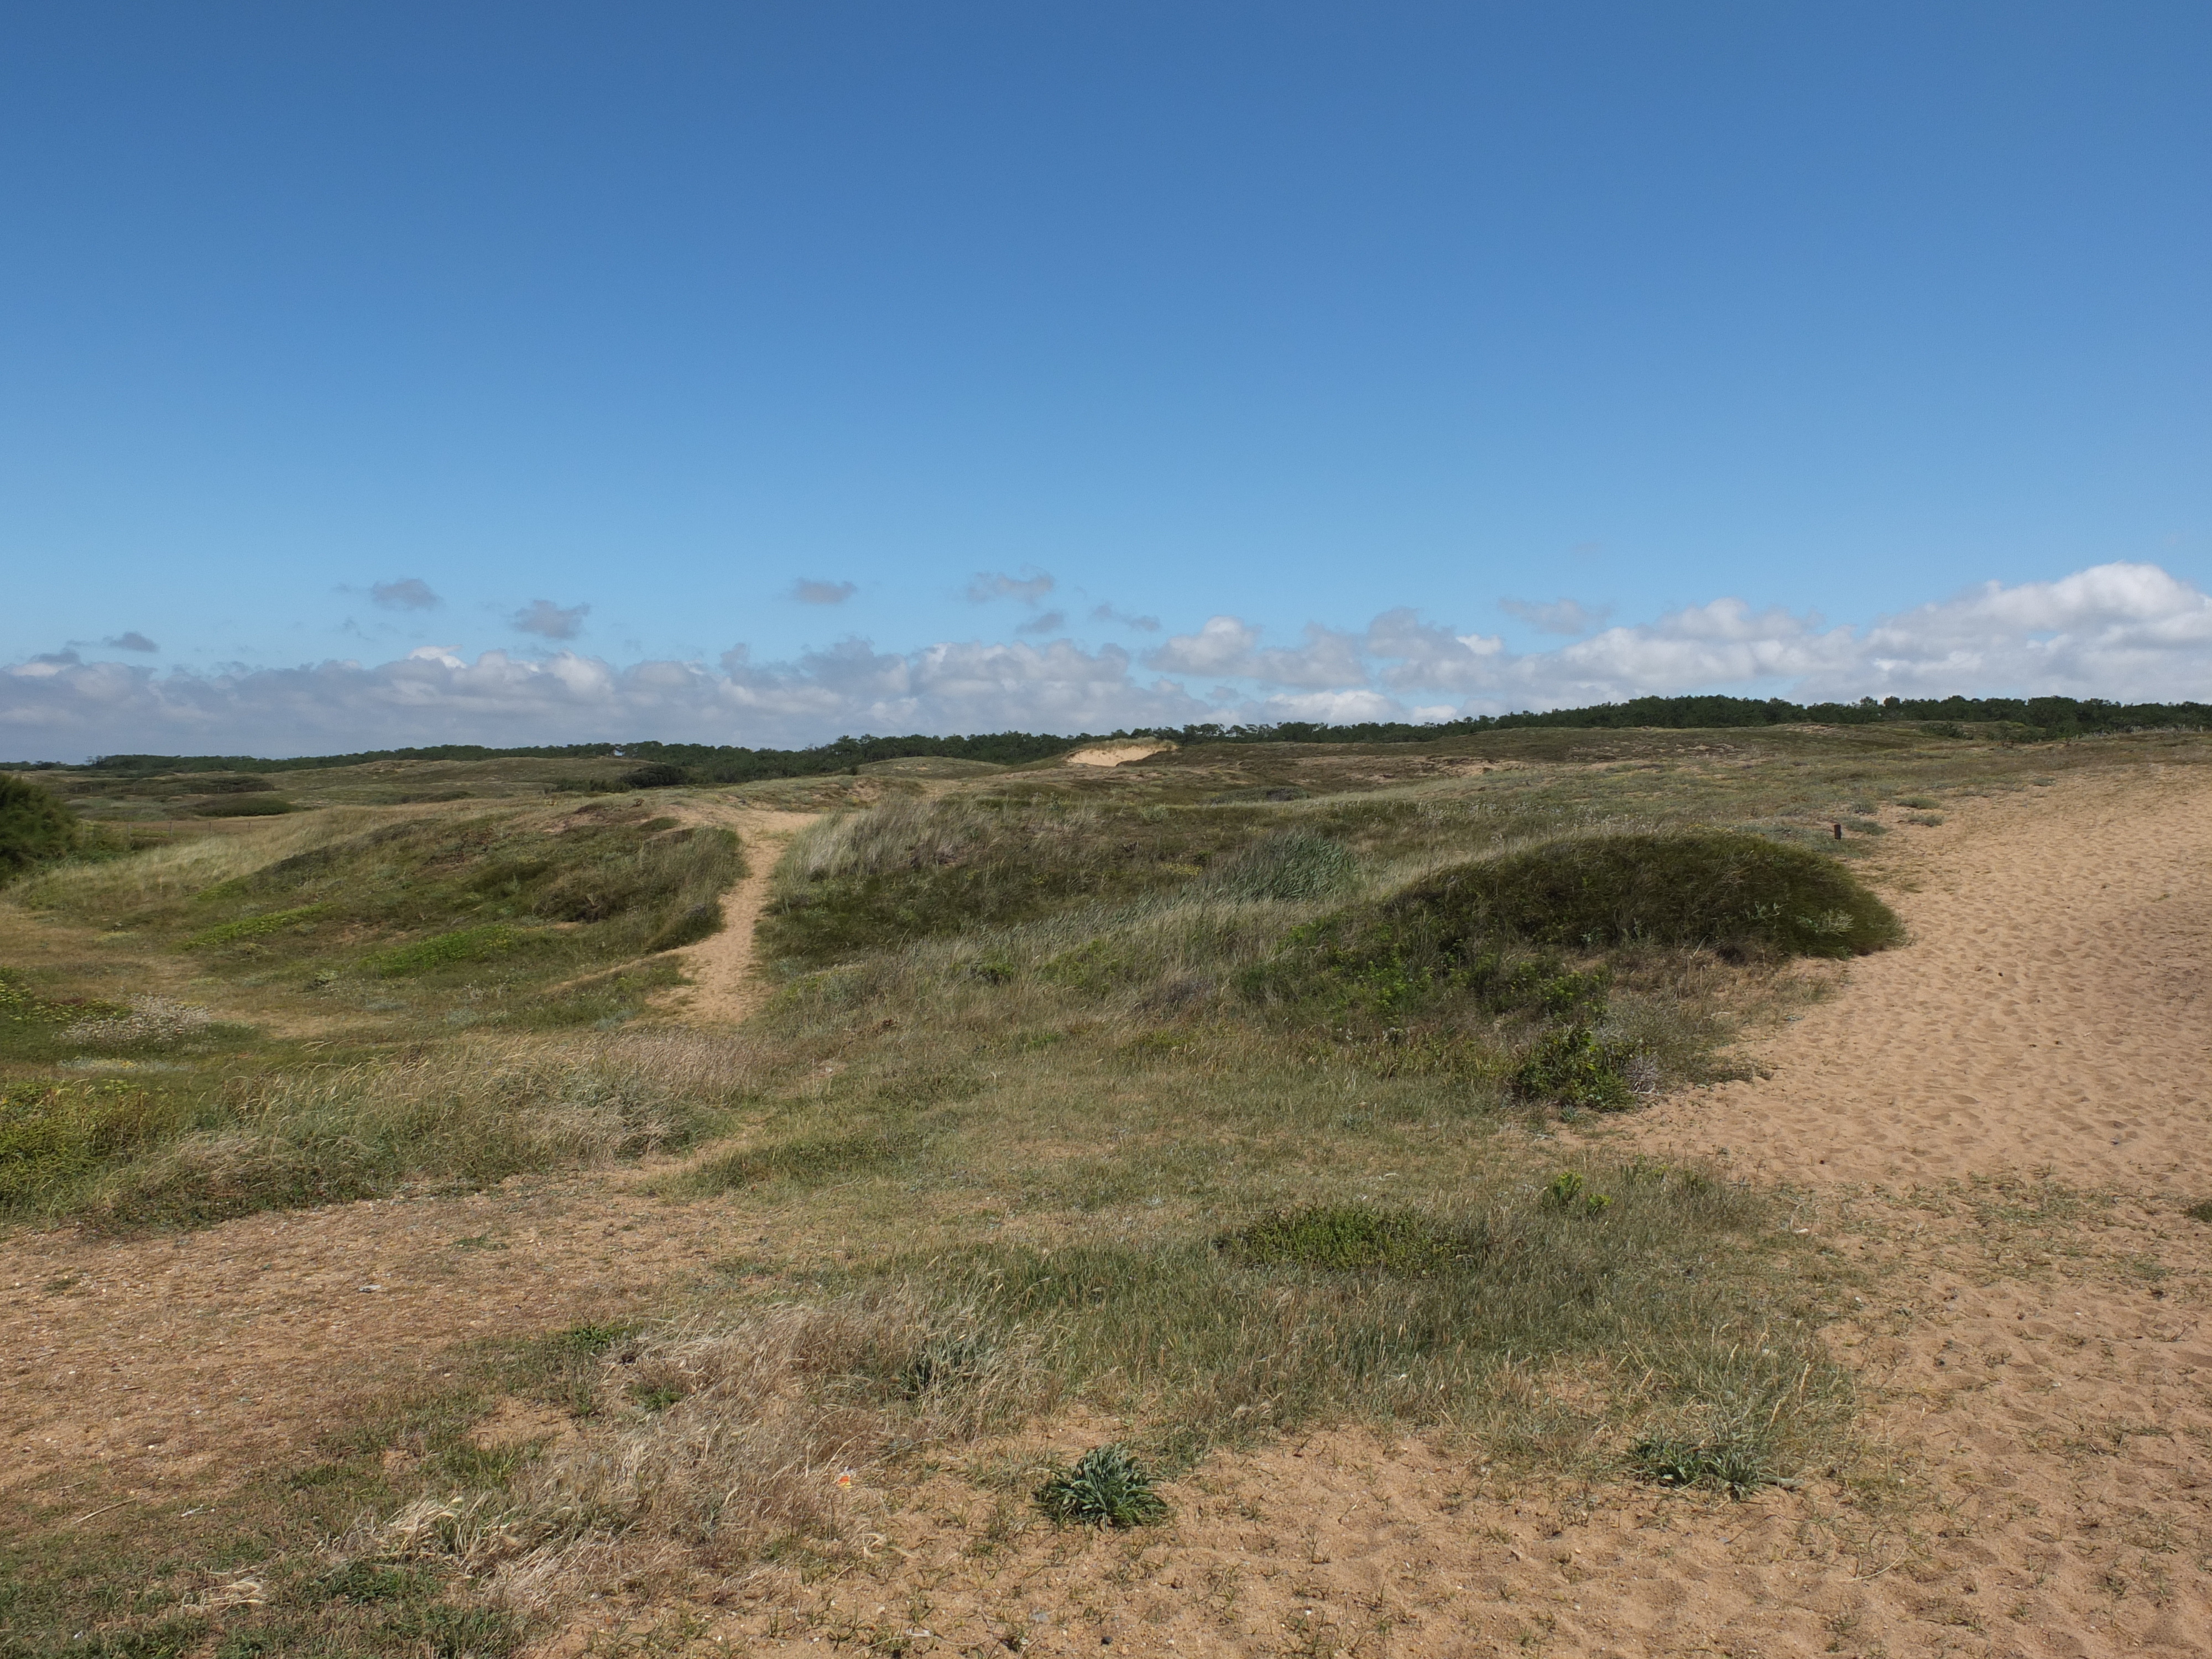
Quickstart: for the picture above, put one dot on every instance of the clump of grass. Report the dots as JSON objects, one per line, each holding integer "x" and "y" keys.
{"x": 1706, "y": 887}
{"x": 244, "y": 806}
{"x": 1292, "y": 863}
{"x": 1349, "y": 1238}
{"x": 1735, "y": 1461}
{"x": 1104, "y": 1488}
{"x": 2200, "y": 1211}
{"x": 58, "y": 1139}
{"x": 1396, "y": 1315}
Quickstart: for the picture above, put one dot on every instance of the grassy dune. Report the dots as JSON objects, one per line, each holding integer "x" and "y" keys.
{"x": 1211, "y": 1097}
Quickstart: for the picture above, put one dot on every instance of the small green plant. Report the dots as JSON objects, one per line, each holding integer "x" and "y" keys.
{"x": 2200, "y": 1211}
{"x": 1736, "y": 1462}
{"x": 1574, "y": 1067}
{"x": 1106, "y": 1488}
{"x": 1568, "y": 1191}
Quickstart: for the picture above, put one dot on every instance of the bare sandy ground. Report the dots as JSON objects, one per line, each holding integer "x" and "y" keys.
{"x": 1114, "y": 754}
{"x": 2053, "y": 1010}
{"x": 724, "y": 990}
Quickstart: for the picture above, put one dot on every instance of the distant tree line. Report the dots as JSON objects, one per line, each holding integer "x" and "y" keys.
{"x": 2026, "y": 719}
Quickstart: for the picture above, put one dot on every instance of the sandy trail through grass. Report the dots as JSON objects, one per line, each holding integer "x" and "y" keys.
{"x": 725, "y": 989}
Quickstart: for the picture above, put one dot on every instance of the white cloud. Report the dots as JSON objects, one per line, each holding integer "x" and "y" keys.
{"x": 1559, "y": 617}
{"x": 808, "y": 592}
{"x": 131, "y": 640}
{"x": 550, "y": 621}
{"x": 1222, "y": 646}
{"x": 2127, "y": 631}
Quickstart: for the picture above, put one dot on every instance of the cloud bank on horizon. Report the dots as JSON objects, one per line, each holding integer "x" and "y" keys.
{"x": 2127, "y": 631}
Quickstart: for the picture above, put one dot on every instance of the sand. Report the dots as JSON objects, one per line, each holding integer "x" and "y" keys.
{"x": 1115, "y": 754}
{"x": 723, "y": 988}
{"x": 2052, "y": 1011}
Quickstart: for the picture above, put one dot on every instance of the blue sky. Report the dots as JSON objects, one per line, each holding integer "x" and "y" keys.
{"x": 747, "y": 372}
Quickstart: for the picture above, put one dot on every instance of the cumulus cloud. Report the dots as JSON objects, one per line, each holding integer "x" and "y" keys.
{"x": 2127, "y": 631}
{"x": 131, "y": 640}
{"x": 989, "y": 585}
{"x": 1050, "y": 622}
{"x": 550, "y": 621}
{"x": 1559, "y": 617}
{"x": 406, "y": 593}
{"x": 808, "y": 592}
{"x": 1222, "y": 647}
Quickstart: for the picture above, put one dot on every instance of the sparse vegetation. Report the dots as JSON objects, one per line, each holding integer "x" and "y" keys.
{"x": 1172, "y": 1097}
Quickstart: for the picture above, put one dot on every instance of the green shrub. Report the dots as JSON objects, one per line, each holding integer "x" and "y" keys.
{"x": 35, "y": 826}
{"x": 2200, "y": 1211}
{"x": 1710, "y": 887}
{"x": 1107, "y": 1488}
{"x": 1573, "y": 1066}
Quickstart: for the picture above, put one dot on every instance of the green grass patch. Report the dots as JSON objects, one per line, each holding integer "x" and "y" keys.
{"x": 804, "y": 1160}
{"x": 1350, "y": 1238}
{"x": 460, "y": 948}
{"x": 300, "y": 919}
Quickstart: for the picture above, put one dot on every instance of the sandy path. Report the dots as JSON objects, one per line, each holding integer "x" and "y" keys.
{"x": 164, "y": 1368}
{"x": 2053, "y": 1010}
{"x": 724, "y": 990}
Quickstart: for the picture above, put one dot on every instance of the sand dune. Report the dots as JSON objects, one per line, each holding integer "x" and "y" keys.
{"x": 2051, "y": 1013}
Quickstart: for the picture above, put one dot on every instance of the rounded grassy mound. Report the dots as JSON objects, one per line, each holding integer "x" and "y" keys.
{"x": 1686, "y": 887}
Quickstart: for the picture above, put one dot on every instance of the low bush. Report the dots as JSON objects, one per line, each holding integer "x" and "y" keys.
{"x": 1573, "y": 1066}
{"x": 1709, "y": 887}
{"x": 35, "y": 826}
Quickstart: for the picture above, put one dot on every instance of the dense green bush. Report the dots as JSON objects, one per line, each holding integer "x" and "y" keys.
{"x": 35, "y": 826}
{"x": 1712, "y": 887}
